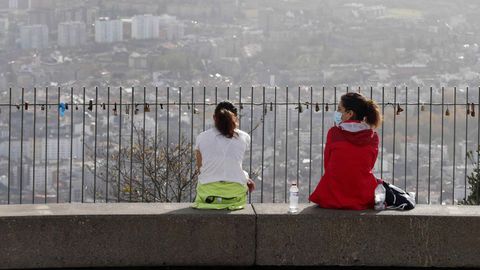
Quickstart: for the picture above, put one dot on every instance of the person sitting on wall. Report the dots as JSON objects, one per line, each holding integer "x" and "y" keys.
{"x": 350, "y": 154}
{"x": 222, "y": 183}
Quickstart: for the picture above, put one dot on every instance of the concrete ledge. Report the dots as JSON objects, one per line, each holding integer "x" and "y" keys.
{"x": 134, "y": 234}
{"x": 439, "y": 236}
{"x": 125, "y": 234}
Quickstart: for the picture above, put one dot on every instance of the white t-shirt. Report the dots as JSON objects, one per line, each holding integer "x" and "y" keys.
{"x": 222, "y": 157}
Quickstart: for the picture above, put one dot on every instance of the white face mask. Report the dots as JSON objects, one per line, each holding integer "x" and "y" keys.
{"x": 337, "y": 117}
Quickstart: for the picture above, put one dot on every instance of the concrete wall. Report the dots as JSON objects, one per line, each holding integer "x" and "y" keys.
{"x": 134, "y": 234}
{"x": 101, "y": 235}
{"x": 441, "y": 236}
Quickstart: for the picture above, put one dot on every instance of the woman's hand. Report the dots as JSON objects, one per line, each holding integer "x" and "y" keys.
{"x": 250, "y": 185}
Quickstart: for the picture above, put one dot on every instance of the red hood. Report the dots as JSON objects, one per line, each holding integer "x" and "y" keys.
{"x": 357, "y": 133}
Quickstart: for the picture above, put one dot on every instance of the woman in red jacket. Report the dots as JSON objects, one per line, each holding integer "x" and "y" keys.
{"x": 350, "y": 154}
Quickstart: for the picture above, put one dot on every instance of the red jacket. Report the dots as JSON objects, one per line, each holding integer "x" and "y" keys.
{"x": 350, "y": 154}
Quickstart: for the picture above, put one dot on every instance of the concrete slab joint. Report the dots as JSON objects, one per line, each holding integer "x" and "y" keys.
{"x": 135, "y": 234}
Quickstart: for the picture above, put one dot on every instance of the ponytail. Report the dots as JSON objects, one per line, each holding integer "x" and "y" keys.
{"x": 364, "y": 109}
{"x": 373, "y": 117}
{"x": 226, "y": 118}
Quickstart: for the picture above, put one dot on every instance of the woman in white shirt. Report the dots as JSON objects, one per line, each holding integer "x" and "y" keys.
{"x": 222, "y": 183}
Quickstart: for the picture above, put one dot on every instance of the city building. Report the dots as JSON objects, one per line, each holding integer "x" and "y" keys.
{"x": 108, "y": 31}
{"x": 34, "y": 36}
{"x": 127, "y": 28}
{"x": 43, "y": 16}
{"x": 71, "y": 34}
{"x": 4, "y": 24}
{"x": 145, "y": 27}
{"x": 4, "y": 4}
{"x": 46, "y": 4}
{"x": 170, "y": 28}
{"x": 19, "y": 4}
{"x": 138, "y": 61}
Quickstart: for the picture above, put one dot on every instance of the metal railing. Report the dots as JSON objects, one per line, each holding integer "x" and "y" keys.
{"x": 137, "y": 144}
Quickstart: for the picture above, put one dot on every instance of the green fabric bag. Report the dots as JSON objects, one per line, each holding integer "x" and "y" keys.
{"x": 221, "y": 195}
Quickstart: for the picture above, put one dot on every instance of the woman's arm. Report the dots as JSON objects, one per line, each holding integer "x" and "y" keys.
{"x": 198, "y": 157}
{"x": 250, "y": 182}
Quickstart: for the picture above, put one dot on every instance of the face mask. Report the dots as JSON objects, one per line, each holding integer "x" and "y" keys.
{"x": 337, "y": 117}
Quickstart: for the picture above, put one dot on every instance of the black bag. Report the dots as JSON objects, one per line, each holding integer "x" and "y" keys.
{"x": 397, "y": 199}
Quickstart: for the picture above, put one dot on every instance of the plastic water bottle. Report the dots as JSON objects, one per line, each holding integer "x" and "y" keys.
{"x": 380, "y": 197}
{"x": 293, "y": 199}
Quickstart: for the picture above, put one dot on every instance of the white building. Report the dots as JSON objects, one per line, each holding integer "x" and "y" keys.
{"x": 108, "y": 31}
{"x": 52, "y": 149}
{"x": 34, "y": 36}
{"x": 4, "y": 26}
{"x": 145, "y": 27}
{"x": 171, "y": 28}
{"x": 71, "y": 34}
{"x": 138, "y": 61}
{"x": 19, "y": 4}
{"x": 25, "y": 150}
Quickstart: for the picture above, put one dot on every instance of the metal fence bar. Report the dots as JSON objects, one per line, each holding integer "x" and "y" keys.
{"x": 179, "y": 122}
{"x": 95, "y": 148}
{"x": 192, "y": 115}
{"x": 46, "y": 142}
{"x": 240, "y": 107}
{"x": 334, "y": 99}
{"x": 83, "y": 150}
{"x": 478, "y": 140}
{"x": 143, "y": 142}
{"x": 34, "y": 142}
{"x": 204, "y": 105}
{"x": 441, "y": 148}
{"x": 383, "y": 131}
{"x": 299, "y": 111}
{"x": 22, "y": 109}
{"x": 323, "y": 128}
{"x": 120, "y": 113}
{"x": 394, "y": 131}
{"x": 466, "y": 143}
{"x": 107, "y": 175}
{"x": 71, "y": 146}
{"x": 430, "y": 148}
{"x": 9, "y": 173}
{"x": 251, "y": 134}
{"x": 156, "y": 143}
{"x": 454, "y": 140}
{"x": 418, "y": 143}
{"x": 132, "y": 113}
{"x": 264, "y": 112}
{"x": 286, "y": 144}
{"x": 310, "y": 148}
{"x": 168, "y": 141}
{"x": 58, "y": 146}
{"x": 405, "y": 137}
{"x": 274, "y": 144}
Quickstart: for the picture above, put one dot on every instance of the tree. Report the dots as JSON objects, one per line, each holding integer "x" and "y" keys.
{"x": 474, "y": 181}
{"x": 148, "y": 171}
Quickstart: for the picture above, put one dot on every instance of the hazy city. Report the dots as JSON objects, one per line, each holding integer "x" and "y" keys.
{"x": 162, "y": 65}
